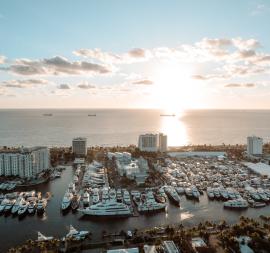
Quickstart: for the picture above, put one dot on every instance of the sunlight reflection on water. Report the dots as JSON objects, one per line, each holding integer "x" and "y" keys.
{"x": 175, "y": 129}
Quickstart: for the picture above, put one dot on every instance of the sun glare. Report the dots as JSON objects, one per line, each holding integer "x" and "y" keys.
{"x": 174, "y": 87}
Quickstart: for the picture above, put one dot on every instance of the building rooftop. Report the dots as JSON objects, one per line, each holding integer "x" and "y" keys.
{"x": 170, "y": 247}
{"x": 197, "y": 242}
{"x": 261, "y": 168}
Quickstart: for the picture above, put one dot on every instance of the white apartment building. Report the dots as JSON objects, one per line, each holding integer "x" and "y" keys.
{"x": 79, "y": 146}
{"x": 24, "y": 162}
{"x": 254, "y": 145}
{"x": 153, "y": 142}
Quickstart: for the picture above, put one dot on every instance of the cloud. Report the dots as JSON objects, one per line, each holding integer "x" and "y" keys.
{"x": 259, "y": 9}
{"x": 199, "y": 77}
{"x": 23, "y": 83}
{"x": 2, "y": 59}
{"x": 86, "y": 85}
{"x": 99, "y": 55}
{"x": 134, "y": 55}
{"x": 63, "y": 87}
{"x": 137, "y": 53}
{"x": 143, "y": 82}
{"x": 57, "y": 65}
{"x": 240, "y": 85}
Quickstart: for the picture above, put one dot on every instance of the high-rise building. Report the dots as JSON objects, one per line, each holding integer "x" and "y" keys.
{"x": 254, "y": 145}
{"x": 24, "y": 162}
{"x": 79, "y": 146}
{"x": 153, "y": 142}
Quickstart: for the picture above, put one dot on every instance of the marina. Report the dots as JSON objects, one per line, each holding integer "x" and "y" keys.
{"x": 191, "y": 211}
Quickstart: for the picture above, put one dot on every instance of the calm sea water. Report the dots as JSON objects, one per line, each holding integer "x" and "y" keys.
{"x": 122, "y": 127}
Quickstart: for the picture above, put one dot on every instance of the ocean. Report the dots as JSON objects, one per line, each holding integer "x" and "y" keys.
{"x": 112, "y": 127}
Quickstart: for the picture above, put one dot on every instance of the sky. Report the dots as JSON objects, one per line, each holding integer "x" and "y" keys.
{"x": 173, "y": 55}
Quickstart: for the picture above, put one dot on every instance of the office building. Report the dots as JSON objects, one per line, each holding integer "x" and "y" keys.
{"x": 254, "y": 145}
{"x": 79, "y": 146}
{"x": 24, "y": 162}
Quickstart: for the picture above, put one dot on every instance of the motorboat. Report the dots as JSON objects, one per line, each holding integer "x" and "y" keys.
{"x": 236, "y": 204}
{"x": 3, "y": 205}
{"x": 75, "y": 234}
{"x": 16, "y": 206}
{"x": 9, "y": 206}
{"x": 32, "y": 207}
{"x": 75, "y": 202}
{"x": 43, "y": 238}
{"x": 66, "y": 201}
{"x": 210, "y": 193}
{"x": 41, "y": 206}
{"x": 126, "y": 197}
{"x": 195, "y": 193}
{"x": 23, "y": 208}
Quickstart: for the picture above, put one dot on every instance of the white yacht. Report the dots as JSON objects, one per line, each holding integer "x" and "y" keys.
{"x": 180, "y": 190}
{"x": 32, "y": 207}
{"x": 224, "y": 193}
{"x": 23, "y": 208}
{"x": 75, "y": 234}
{"x": 150, "y": 205}
{"x": 188, "y": 192}
{"x": 86, "y": 198}
{"x": 173, "y": 195}
{"x": 195, "y": 193}
{"x": 126, "y": 197}
{"x": 95, "y": 196}
{"x": 236, "y": 204}
{"x": 43, "y": 238}
{"x": 3, "y": 205}
{"x": 66, "y": 201}
{"x": 9, "y": 206}
{"x": 16, "y": 206}
{"x": 112, "y": 194}
{"x": 108, "y": 208}
{"x": 136, "y": 196}
{"x": 210, "y": 193}
{"x": 119, "y": 196}
{"x": 71, "y": 187}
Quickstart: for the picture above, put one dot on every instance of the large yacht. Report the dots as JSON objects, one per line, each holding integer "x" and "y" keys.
{"x": 66, "y": 201}
{"x": 150, "y": 205}
{"x": 236, "y": 204}
{"x": 107, "y": 208}
{"x": 95, "y": 196}
{"x": 173, "y": 195}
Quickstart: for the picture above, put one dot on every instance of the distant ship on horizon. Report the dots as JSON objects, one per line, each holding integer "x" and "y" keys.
{"x": 48, "y": 114}
{"x": 92, "y": 115}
